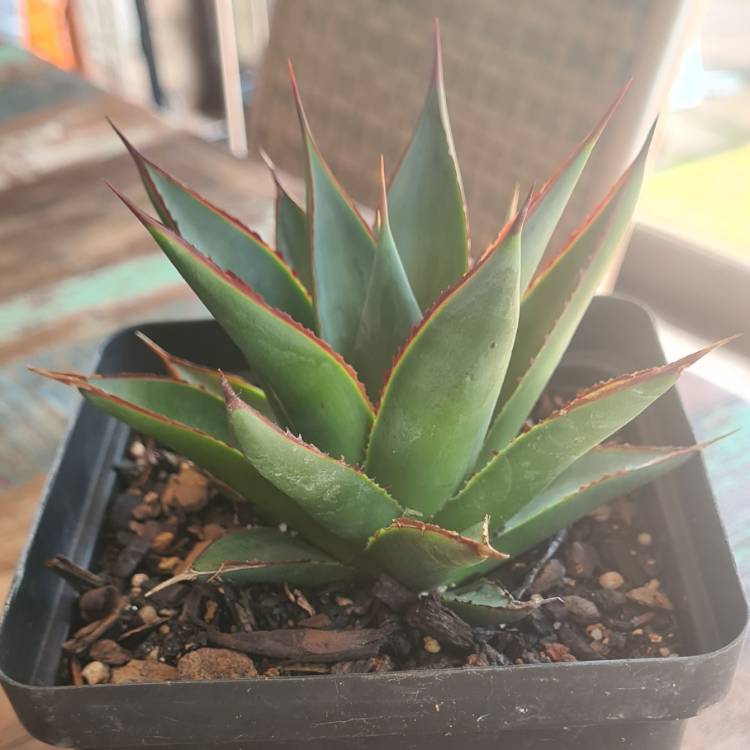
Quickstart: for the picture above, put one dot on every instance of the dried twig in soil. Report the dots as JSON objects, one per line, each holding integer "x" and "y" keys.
{"x": 306, "y": 645}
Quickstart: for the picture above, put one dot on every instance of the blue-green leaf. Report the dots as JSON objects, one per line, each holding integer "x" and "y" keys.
{"x": 292, "y": 231}
{"x": 552, "y": 198}
{"x": 602, "y": 474}
{"x": 336, "y": 495}
{"x": 192, "y": 421}
{"x": 428, "y": 212}
{"x": 553, "y": 306}
{"x": 390, "y": 311}
{"x": 343, "y": 248}
{"x": 318, "y": 394}
{"x": 205, "y": 377}
{"x": 515, "y": 475}
{"x": 266, "y": 555}
{"x": 224, "y": 239}
{"x": 485, "y": 604}
{"x": 423, "y": 556}
{"x": 438, "y": 401}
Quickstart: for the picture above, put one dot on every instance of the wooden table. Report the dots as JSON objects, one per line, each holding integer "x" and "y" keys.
{"x": 74, "y": 266}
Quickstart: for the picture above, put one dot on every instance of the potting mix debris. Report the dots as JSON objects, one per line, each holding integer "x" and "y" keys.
{"x": 602, "y": 576}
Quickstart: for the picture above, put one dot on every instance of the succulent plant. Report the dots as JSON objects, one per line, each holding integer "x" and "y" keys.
{"x": 395, "y": 379}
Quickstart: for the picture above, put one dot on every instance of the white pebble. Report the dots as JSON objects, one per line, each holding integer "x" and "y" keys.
{"x": 611, "y": 580}
{"x": 95, "y": 673}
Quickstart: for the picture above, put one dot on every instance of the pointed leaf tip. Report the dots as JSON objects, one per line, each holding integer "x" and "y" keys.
{"x": 607, "y": 387}
{"x": 383, "y": 208}
{"x": 423, "y": 556}
{"x": 161, "y": 353}
{"x": 142, "y": 165}
{"x": 523, "y": 212}
{"x": 480, "y": 547}
{"x": 553, "y": 196}
{"x": 138, "y": 212}
{"x": 437, "y": 65}
{"x": 268, "y": 338}
{"x": 73, "y": 379}
{"x": 231, "y": 399}
{"x": 298, "y": 100}
{"x": 427, "y": 203}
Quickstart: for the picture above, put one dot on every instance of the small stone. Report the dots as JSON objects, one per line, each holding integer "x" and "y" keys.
{"x": 138, "y": 670}
{"x": 477, "y": 660}
{"x": 550, "y": 575}
{"x": 148, "y": 614}
{"x": 137, "y": 449}
{"x": 151, "y": 497}
{"x": 95, "y": 673}
{"x": 611, "y": 580}
{"x": 344, "y": 601}
{"x": 643, "y": 619}
{"x": 109, "y": 652}
{"x": 650, "y": 596}
{"x": 272, "y": 672}
{"x": 211, "y": 609}
{"x": 215, "y": 664}
{"x": 558, "y": 652}
{"x": 596, "y": 633}
{"x": 601, "y": 513}
{"x": 162, "y": 541}
{"x": 664, "y": 651}
{"x": 430, "y": 645}
{"x": 581, "y": 609}
{"x": 644, "y": 539}
{"x": 580, "y": 647}
{"x": 99, "y": 602}
{"x": 582, "y": 559}
{"x": 138, "y": 580}
{"x": 493, "y": 656}
{"x": 212, "y": 531}
{"x": 655, "y": 638}
{"x": 382, "y": 663}
{"x": 165, "y": 629}
{"x": 609, "y": 600}
{"x": 637, "y": 631}
{"x": 188, "y": 490}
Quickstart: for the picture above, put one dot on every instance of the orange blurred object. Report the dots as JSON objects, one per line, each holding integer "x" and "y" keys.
{"x": 47, "y": 32}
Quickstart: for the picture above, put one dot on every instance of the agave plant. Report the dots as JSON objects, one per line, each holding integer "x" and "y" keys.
{"x": 391, "y": 380}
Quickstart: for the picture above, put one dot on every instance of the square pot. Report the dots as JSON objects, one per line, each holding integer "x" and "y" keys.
{"x": 639, "y": 704}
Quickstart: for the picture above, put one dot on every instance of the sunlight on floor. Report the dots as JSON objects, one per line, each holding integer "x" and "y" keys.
{"x": 707, "y": 198}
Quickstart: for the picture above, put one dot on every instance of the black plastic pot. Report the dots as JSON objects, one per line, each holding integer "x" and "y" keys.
{"x": 594, "y": 705}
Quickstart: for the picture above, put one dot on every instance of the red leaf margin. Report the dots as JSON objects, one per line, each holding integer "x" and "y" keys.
{"x": 140, "y": 162}
{"x": 153, "y": 225}
{"x": 513, "y": 227}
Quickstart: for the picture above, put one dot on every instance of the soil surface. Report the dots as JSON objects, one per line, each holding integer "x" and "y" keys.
{"x": 602, "y": 574}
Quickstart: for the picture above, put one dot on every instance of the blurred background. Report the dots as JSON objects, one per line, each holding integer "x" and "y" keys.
{"x": 199, "y": 85}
